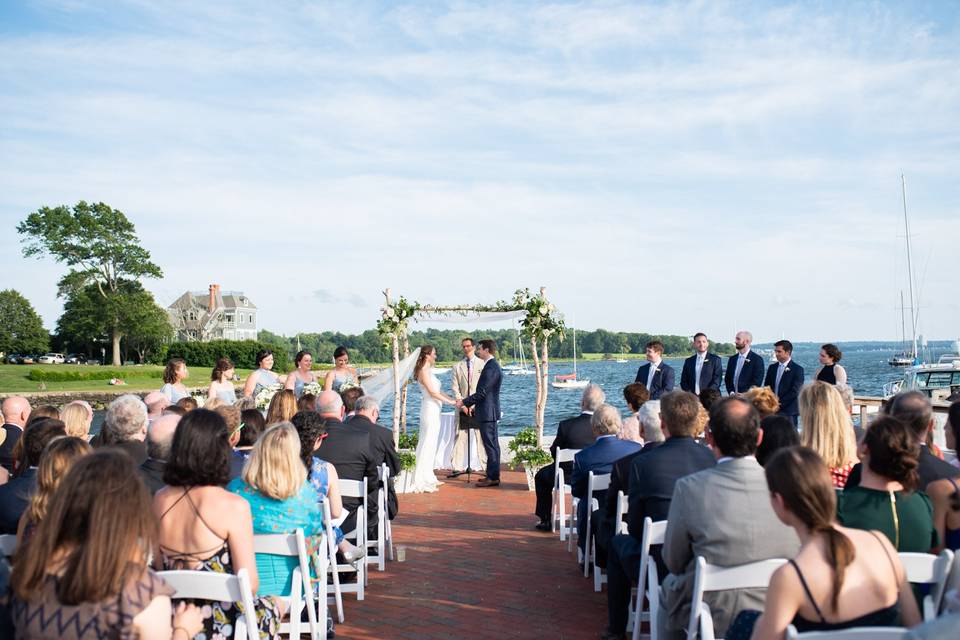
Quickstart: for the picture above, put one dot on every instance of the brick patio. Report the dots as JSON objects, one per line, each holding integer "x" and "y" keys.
{"x": 476, "y": 569}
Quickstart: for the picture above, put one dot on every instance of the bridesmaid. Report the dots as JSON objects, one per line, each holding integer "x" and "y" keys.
{"x": 829, "y": 370}
{"x": 263, "y": 376}
{"x": 222, "y": 381}
{"x": 302, "y": 375}
{"x": 342, "y": 373}
{"x": 173, "y": 377}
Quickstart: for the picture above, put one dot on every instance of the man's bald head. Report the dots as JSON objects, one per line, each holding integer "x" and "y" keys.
{"x": 330, "y": 405}
{"x": 16, "y": 410}
{"x": 156, "y": 402}
{"x": 160, "y": 436}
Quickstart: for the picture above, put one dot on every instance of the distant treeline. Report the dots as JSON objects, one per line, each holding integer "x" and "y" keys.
{"x": 369, "y": 347}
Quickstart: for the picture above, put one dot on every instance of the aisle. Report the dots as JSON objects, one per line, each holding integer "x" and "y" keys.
{"x": 476, "y": 570}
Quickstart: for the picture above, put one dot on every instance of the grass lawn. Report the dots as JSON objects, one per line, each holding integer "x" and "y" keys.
{"x": 13, "y": 378}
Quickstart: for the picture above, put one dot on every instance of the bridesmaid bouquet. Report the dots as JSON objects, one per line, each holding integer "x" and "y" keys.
{"x": 312, "y": 387}
{"x": 265, "y": 395}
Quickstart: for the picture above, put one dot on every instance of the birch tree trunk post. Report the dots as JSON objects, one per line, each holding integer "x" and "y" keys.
{"x": 542, "y": 407}
{"x": 540, "y": 380}
{"x": 403, "y": 390}
{"x": 395, "y": 348}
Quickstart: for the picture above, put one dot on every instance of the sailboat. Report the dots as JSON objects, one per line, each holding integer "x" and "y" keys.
{"x": 570, "y": 380}
{"x": 519, "y": 368}
{"x": 621, "y": 359}
{"x": 905, "y": 359}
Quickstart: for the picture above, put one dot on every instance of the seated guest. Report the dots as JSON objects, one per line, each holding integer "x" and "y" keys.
{"x": 598, "y": 458}
{"x": 764, "y": 400}
{"x": 307, "y": 402}
{"x": 838, "y": 579}
{"x": 723, "y": 514}
{"x": 56, "y": 459}
{"x": 778, "y": 433}
{"x": 350, "y": 451}
{"x": 282, "y": 407}
{"x": 274, "y": 482}
{"x": 253, "y": 425}
{"x": 125, "y": 427}
{"x": 99, "y": 517}
{"x": 829, "y": 371}
{"x": 189, "y": 403}
{"x": 350, "y": 397}
{"x": 636, "y": 395}
{"x": 16, "y": 493}
{"x": 827, "y": 429}
{"x": 652, "y": 475}
{"x": 156, "y": 404}
{"x": 16, "y": 412}
{"x": 302, "y": 374}
{"x": 231, "y": 415}
{"x": 657, "y": 376}
{"x": 914, "y": 409}
{"x": 44, "y": 411}
{"x": 204, "y": 527}
{"x": 602, "y": 522}
{"x": 174, "y": 410}
{"x": 709, "y": 397}
{"x": 367, "y": 411}
{"x": 785, "y": 377}
{"x": 173, "y": 376}
{"x": 221, "y": 382}
{"x": 886, "y": 498}
{"x": 945, "y": 494}
{"x": 572, "y": 433}
{"x": 77, "y": 417}
{"x": 322, "y": 475}
{"x": 159, "y": 441}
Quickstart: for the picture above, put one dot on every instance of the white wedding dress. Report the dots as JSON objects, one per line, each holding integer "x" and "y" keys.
{"x": 424, "y": 480}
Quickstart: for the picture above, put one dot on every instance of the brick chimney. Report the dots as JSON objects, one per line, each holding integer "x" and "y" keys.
{"x": 212, "y": 300}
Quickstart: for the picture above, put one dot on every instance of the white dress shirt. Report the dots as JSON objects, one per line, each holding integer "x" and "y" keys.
{"x": 701, "y": 357}
{"x": 653, "y": 371}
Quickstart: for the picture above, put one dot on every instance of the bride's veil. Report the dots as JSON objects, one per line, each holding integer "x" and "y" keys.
{"x": 380, "y": 386}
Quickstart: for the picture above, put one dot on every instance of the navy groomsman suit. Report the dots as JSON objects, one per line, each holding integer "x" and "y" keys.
{"x": 663, "y": 379}
{"x": 751, "y": 372}
{"x": 711, "y": 373}
{"x": 788, "y": 387}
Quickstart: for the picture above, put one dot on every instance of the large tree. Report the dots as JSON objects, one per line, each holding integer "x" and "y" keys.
{"x": 21, "y": 329}
{"x": 100, "y": 246}
{"x": 134, "y": 315}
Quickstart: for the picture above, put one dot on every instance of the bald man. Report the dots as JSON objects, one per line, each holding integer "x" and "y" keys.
{"x": 16, "y": 412}
{"x": 159, "y": 442}
{"x": 745, "y": 368}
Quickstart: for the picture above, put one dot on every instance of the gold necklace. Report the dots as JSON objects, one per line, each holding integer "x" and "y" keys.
{"x": 896, "y": 521}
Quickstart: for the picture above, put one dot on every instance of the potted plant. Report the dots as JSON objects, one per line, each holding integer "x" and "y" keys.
{"x": 528, "y": 453}
{"x": 408, "y": 460}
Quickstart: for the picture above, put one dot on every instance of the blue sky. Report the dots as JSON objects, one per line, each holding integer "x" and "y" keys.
{"x": 662, "y": 167}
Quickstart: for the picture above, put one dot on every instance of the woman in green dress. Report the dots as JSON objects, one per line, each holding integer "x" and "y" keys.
{"x": 886, "y": 499}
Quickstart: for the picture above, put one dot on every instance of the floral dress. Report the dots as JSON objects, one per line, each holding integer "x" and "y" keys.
{"x": 219, "y": 617}
{"x": 320, "y": 480}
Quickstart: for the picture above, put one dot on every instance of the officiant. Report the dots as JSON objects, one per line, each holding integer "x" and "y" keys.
{"x": 466, "y": 373}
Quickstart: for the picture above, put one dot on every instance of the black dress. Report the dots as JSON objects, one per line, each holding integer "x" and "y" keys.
{"x": 827, "y": 375}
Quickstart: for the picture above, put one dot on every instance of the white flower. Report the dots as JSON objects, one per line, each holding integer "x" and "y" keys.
{"x": 391, "y": 313}
{"x": 551, "y": 308}
{"x": 543, "y": 309}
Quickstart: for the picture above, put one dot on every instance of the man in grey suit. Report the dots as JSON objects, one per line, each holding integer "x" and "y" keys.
{"x": 723, "y": 514}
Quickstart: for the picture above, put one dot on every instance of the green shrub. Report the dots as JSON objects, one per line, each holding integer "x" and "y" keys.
{"x": 243, "y": 353}
{"x": 409, "y": 440}
{"x": 408, "y": 460}
{"x": 48, "y": 375}
{"x": 525, "y": 450}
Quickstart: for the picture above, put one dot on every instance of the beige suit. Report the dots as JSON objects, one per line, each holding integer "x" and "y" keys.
{"x": 462, "y": 387}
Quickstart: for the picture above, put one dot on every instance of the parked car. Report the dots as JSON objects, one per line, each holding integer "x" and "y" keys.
{"x": 51, "y": 358}
{"x": 28, "y": 360}
{"x": 75, "y": 358}
{"x": 13, "y": 358}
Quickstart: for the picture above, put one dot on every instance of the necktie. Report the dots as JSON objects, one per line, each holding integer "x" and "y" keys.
{"x": 736, "y": 373}
{"x": 653, "y": 372}
{"x": 699, "y": 369}
{"x": 779, "y": 375}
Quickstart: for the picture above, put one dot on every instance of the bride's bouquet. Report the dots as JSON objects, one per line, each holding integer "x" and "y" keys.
{"x": 265, "y": 395}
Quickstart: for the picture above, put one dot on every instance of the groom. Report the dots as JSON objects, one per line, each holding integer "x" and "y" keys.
{"x": 487, "y": 411}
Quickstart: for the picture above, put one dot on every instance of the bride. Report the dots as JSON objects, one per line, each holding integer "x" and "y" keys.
{"x": 424, "y": 479}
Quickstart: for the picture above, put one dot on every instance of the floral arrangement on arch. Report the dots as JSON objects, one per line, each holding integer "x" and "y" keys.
{"x": 542, "y": 320}
{"x": 395, "y": 316}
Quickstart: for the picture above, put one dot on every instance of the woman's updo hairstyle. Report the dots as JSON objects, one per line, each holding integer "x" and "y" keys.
{"x": 894, "y": 453}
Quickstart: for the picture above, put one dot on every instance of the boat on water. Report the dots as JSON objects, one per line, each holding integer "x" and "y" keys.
{"x": 439, "y": 371}
{"x": 907, "y": 358}
{"x": 939, "y": 381}
{"x": 519, "y": 368}
{"x": 621, "y": 359}
{"x": 570, "y": 380}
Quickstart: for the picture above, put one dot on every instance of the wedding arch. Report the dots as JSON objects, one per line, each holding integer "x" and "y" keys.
{"x": 539, "y": 322}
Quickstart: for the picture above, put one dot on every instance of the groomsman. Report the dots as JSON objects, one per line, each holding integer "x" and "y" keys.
{"x": 744, "y": 368}
{"x": 657, "y": 375}
{"x": 785, "y": 377}
{"x": 702, "y": 370}
{"x": 466, "y": 373}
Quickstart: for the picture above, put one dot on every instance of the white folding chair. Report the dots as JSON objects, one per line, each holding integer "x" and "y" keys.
{"x": 355, "y": 489}
{"x": 301, "y": 594}
{"x": 599, "y": 575}
{"x": 8, "y": 544}
{"x": 383, "y": 541}
{"x": 925, "y": 568}
{"x": 560, "y": 492}
{"x": 711, "y": 577}
{"x": 595, "y": 482}
{"x": 953, "y": 582}
{"x": 331, "y": 561}
{"x": 653, "y": 533}
{"x": 218, "y": 587}
{"x": 857, "y": 633}
{"x": 623, "y": 506}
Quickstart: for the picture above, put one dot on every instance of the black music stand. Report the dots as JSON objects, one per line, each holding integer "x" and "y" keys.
{"x": 467, "y": 423}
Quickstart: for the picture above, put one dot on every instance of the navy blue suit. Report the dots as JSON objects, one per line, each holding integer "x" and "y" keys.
{"x": 599, "y": 458}
{"x": 790, "y": 384}
{"x": 14, "y": 498}
{"x": 663, "y": 379}
{"x": 487, "y": 413}
{"x": 751, "y": 375}
{"x": 711, "y": 374}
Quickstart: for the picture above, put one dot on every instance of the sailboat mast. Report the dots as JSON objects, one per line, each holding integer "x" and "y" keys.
{"x": 906, "y": 226}
{"x": 574, "y": 353}
{"x": 903, "y": 324}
